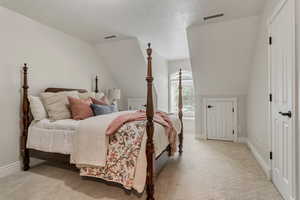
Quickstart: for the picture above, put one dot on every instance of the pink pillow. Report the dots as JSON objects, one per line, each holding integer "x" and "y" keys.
{"x": 80, "y": 108}
{"x": 102, "y": 101}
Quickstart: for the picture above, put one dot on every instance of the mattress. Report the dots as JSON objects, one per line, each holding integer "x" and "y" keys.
{"x": 66, "y": 124}
{"x": 57, "y": 136}
{"x": 52, "y": 136}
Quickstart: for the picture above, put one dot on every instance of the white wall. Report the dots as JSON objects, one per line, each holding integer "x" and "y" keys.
{"x": 175, "y": 65}
{"x": 298, "y": 84}
{"x": 55, "y": 60}
{"x": 127, "y": 66}
{"x": 126, "y": 60}
{"x": 221, "y": 56}
{"x": 161, "y": 83}
{"x": 257, "y": 105}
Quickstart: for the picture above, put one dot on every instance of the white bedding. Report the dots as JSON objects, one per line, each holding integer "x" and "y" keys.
{"x": 66, "y": 124}
{"x": 54, "y": 137}
{"x": 57, "y": 136}
{"x": 64, "y": 135}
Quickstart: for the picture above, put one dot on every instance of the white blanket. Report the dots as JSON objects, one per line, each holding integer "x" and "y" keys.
{"x": 90, "y": 145}
{"x": 90, "y": 142}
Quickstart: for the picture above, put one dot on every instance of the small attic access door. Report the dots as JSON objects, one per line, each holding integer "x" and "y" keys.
{"x": 220, "y": 118}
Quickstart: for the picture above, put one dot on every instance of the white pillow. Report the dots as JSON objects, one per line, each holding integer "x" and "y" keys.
{"x": 57, "y": 104}
{"x": 87, "y": 95}
{"x": 37, "y": 108}
{"x": 98, "y": 96}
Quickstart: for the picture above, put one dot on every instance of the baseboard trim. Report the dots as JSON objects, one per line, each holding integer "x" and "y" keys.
{"x": 197, "y": 137}
{"x": 260, "y": 160}
{"x": 242, "y": 140}
{"x": 10, "y": 169}
{"x": 17, "y": 166}
{"x": 201, "y": 137}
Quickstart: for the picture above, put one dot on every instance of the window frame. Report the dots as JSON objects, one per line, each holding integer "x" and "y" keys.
{"x": 186, "y": 76}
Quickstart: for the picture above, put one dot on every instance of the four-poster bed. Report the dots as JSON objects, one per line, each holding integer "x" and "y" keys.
{"x": 153, "y": 161}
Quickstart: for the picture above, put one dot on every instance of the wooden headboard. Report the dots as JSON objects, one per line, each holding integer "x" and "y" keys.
{"x": 64, "y": 90}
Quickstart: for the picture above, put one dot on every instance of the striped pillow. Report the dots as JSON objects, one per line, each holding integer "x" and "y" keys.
{"x": 57, "y": 104}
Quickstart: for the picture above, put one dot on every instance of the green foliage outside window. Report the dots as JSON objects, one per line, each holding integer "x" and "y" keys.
{"x": 188, "y": 95}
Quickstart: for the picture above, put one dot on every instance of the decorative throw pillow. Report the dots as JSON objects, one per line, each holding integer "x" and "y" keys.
{"x": 99, "y": 95}
{"x": 57, "y": 104}
{"x": 105, "y": 99}
{"x": 37, "y": 108}
{"x": 80, "y": 108}
{"x": 99, "y": 101}
{"x": 102, "y": 109}
{"x": 116, "y": 109}
{"x": 87, "y": 95}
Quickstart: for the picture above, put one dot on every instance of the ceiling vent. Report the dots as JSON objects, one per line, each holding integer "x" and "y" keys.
{"x": 213, "y": 16}
{"x": 110, "y": 37}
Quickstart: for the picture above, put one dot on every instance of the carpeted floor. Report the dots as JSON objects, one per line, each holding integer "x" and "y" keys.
{"x": 208, "y": 170}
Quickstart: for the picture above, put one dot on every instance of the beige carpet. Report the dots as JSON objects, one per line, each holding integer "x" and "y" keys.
{"x": 208, "y": 170}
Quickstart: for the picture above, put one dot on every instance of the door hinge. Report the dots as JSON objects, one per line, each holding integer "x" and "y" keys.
{"x": 270, "y": 97}
{"x": 271, "y": 155}
{"x": 270, "y": 40}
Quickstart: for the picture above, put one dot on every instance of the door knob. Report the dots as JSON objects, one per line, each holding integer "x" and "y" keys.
{"x": 209, "y": 106}
{"x": 288, "y": 114}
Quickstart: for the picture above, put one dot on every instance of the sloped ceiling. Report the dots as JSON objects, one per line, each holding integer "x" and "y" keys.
{"x": 221, "y": 55}
{"x": 162, "y": 22}
{"x": 126, "y": 60}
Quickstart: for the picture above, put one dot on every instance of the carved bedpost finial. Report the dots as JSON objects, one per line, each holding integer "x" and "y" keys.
{"x": 25, "y": 69}
{"x": 149, "y": 50}
{"x": 96, "y": 82}
{"x": 149, "y": 69}
{"x": 150, "y": 128}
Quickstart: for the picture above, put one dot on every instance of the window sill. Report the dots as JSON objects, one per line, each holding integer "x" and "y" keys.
{"x": 188, "y": 118}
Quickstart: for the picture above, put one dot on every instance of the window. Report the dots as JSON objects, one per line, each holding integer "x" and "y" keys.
{"x": 187, "y": 93}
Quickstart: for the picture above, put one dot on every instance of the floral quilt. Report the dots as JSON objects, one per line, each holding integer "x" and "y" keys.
{"x": 123, "y": 151}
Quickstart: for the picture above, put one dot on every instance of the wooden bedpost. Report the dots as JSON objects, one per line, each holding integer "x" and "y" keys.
{"x": 96, "y": 87}
{"x": 150, "y": 129}
{"x": 26, "y": 120}
{"x": 180, "y": 113}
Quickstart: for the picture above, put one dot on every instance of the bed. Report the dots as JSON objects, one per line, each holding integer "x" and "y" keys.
{"x": 54, "y": 140}
{"x": 57, "y": 136}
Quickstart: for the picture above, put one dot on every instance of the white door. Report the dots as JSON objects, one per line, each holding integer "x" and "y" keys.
{"x": 220, "y": 120}
{"x": 282, "y": 85}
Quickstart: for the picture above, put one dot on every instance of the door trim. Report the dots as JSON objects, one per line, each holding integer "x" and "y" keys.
{"x": 276, "y": 11}
{"x": 235, "y": 126}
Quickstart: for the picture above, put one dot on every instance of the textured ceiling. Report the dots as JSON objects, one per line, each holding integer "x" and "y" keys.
{"x": 163, "y": 22}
